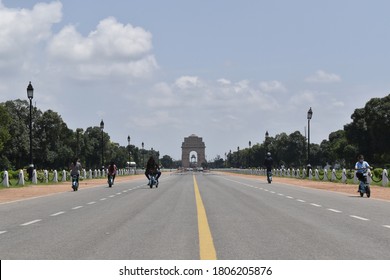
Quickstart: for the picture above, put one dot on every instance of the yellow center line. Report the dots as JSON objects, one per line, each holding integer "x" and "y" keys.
{"x": 206, "y": 244}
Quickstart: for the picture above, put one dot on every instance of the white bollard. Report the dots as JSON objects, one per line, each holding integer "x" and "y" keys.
{"x": 317, "y": 174}
{"x": 344, "y": 176}
{"x": 21, "y": 177}
{"x": 5, "y": 179}
{"x": 34, "y": 177}
{"x": 325, "y": 174}
{"x": 334, "y": 178}
{"x": 385, "y": 179}
{"x": 55, "y": 178}
{"x": 63, "y": 175}
{"x": 46, "y": 175}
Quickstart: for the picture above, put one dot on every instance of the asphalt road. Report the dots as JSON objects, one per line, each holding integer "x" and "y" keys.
{"x": 196, "y": 216}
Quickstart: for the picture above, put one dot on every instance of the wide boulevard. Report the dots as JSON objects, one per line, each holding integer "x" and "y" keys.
{"x": 196, "y": 215}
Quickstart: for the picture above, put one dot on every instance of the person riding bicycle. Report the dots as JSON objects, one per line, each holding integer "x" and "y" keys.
{"x": 152, "y": 168}
{"x": 268, "y": 162}
{"x": 75, "y": 168}
{"x": 111, "y": 171}
{"x": 361, "y": 168}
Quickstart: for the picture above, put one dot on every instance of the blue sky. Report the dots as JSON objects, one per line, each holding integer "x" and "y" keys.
{"x": 227, "y": 71}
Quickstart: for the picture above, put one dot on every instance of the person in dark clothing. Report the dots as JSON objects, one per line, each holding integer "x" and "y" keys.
{"x": 112, "y": 170}
{"x": 268, "y": 162}
{"x": 152, "y": 168}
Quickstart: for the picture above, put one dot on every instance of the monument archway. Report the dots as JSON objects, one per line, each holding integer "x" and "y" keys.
{"x": 192, "y": 144}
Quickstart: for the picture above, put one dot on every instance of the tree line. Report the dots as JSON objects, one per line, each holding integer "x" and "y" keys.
{"x": 55, "y": 145}
{"x": 367, "y": 134}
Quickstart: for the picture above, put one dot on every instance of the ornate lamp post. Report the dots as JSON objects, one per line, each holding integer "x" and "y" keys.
{"x": 143, "y": 155}
{"x": 30, "y": 95}
{"x": 128, "y": 141}
{"x": 238, "y": 156}
{"x": 102, "y": 128}
{"x": 309, "y": 116}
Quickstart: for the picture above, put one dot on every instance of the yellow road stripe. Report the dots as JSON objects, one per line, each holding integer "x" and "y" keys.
{"x": 206, "y": 244}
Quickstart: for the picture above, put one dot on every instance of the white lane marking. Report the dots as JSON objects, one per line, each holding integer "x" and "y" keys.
{"x": 92, "y": 202}
{"x": 316, "y": 205}
{"x": 1, "y": 232}
{"x": 359, "y": 218}
{"x": 125, "y": 191}
{"x": 386, "y": 226}
{"x": 118, "y": 193}
{"x": 290, "y": 197}
{"x": 57, "y": 214}
{"x": 31, "y": 222}
{"x": 102, "y": 199}
{"x": 280, "y": 194}
{"x": 112, "y": 196}
{"x": 77, "y": 207}
{"x": 272, "y": 192}
{"x": 300, "y": 200}
{"x": 238, "y": 182}
{"x": 334, "y": 210}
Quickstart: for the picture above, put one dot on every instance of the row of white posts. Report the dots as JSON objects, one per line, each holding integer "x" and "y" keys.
{"x": 84, "y": 174}
{"x": 329, "y": 175}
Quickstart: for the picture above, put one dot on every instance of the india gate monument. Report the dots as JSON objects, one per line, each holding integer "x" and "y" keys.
{"x": 191, "y": 144}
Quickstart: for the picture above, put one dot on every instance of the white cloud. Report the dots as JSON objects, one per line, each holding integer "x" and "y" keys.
{"x": 322, "y": 77}
{"x": 22, "y": 29}
{"x": 272, "y": 86}
{"x": 224, "y": 82}
{"x": 113, "y": 49}
{"x": 187, "y": 82}
{"x": 304, "y": 98}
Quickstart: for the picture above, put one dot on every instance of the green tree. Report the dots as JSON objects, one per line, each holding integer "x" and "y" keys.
{"x": 370, "y": 130}
{"x": 167, "y": 162}
{"x": 54, "y": 140}
{"x": 5, "y": 136}
{"x": 17, "y": 148}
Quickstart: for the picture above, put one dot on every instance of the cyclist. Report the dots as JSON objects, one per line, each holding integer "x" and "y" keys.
{"x": 75, "y": 169}
{"x": 361, "y": 168}
{"x": 112, "y": 171}
{"x": 151, "y": 168}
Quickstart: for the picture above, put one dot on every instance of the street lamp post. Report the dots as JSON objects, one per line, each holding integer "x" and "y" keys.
{"x": 309, "y": 116}
{"x": 143, "y": 155}
{"x": 128, "y": 141}
{"x": 30, "y": 95}
{"x": 238, "y": 157}
{"x": 101, "y": 128}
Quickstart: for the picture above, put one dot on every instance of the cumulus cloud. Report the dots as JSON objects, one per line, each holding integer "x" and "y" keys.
{"x": 322, "y": 77}
{"x": 113, "y": 49}
{"x": 22, "y": 29}
{"x": 272, "y": 86}
{"x": 224, "y": 82}
{"x": 187, "y": 82}
{"x": 303, "y": 98}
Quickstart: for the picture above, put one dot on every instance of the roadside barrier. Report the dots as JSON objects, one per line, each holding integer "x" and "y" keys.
{"x": 46, "y": 176}
{"x": 317, "y": 175}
